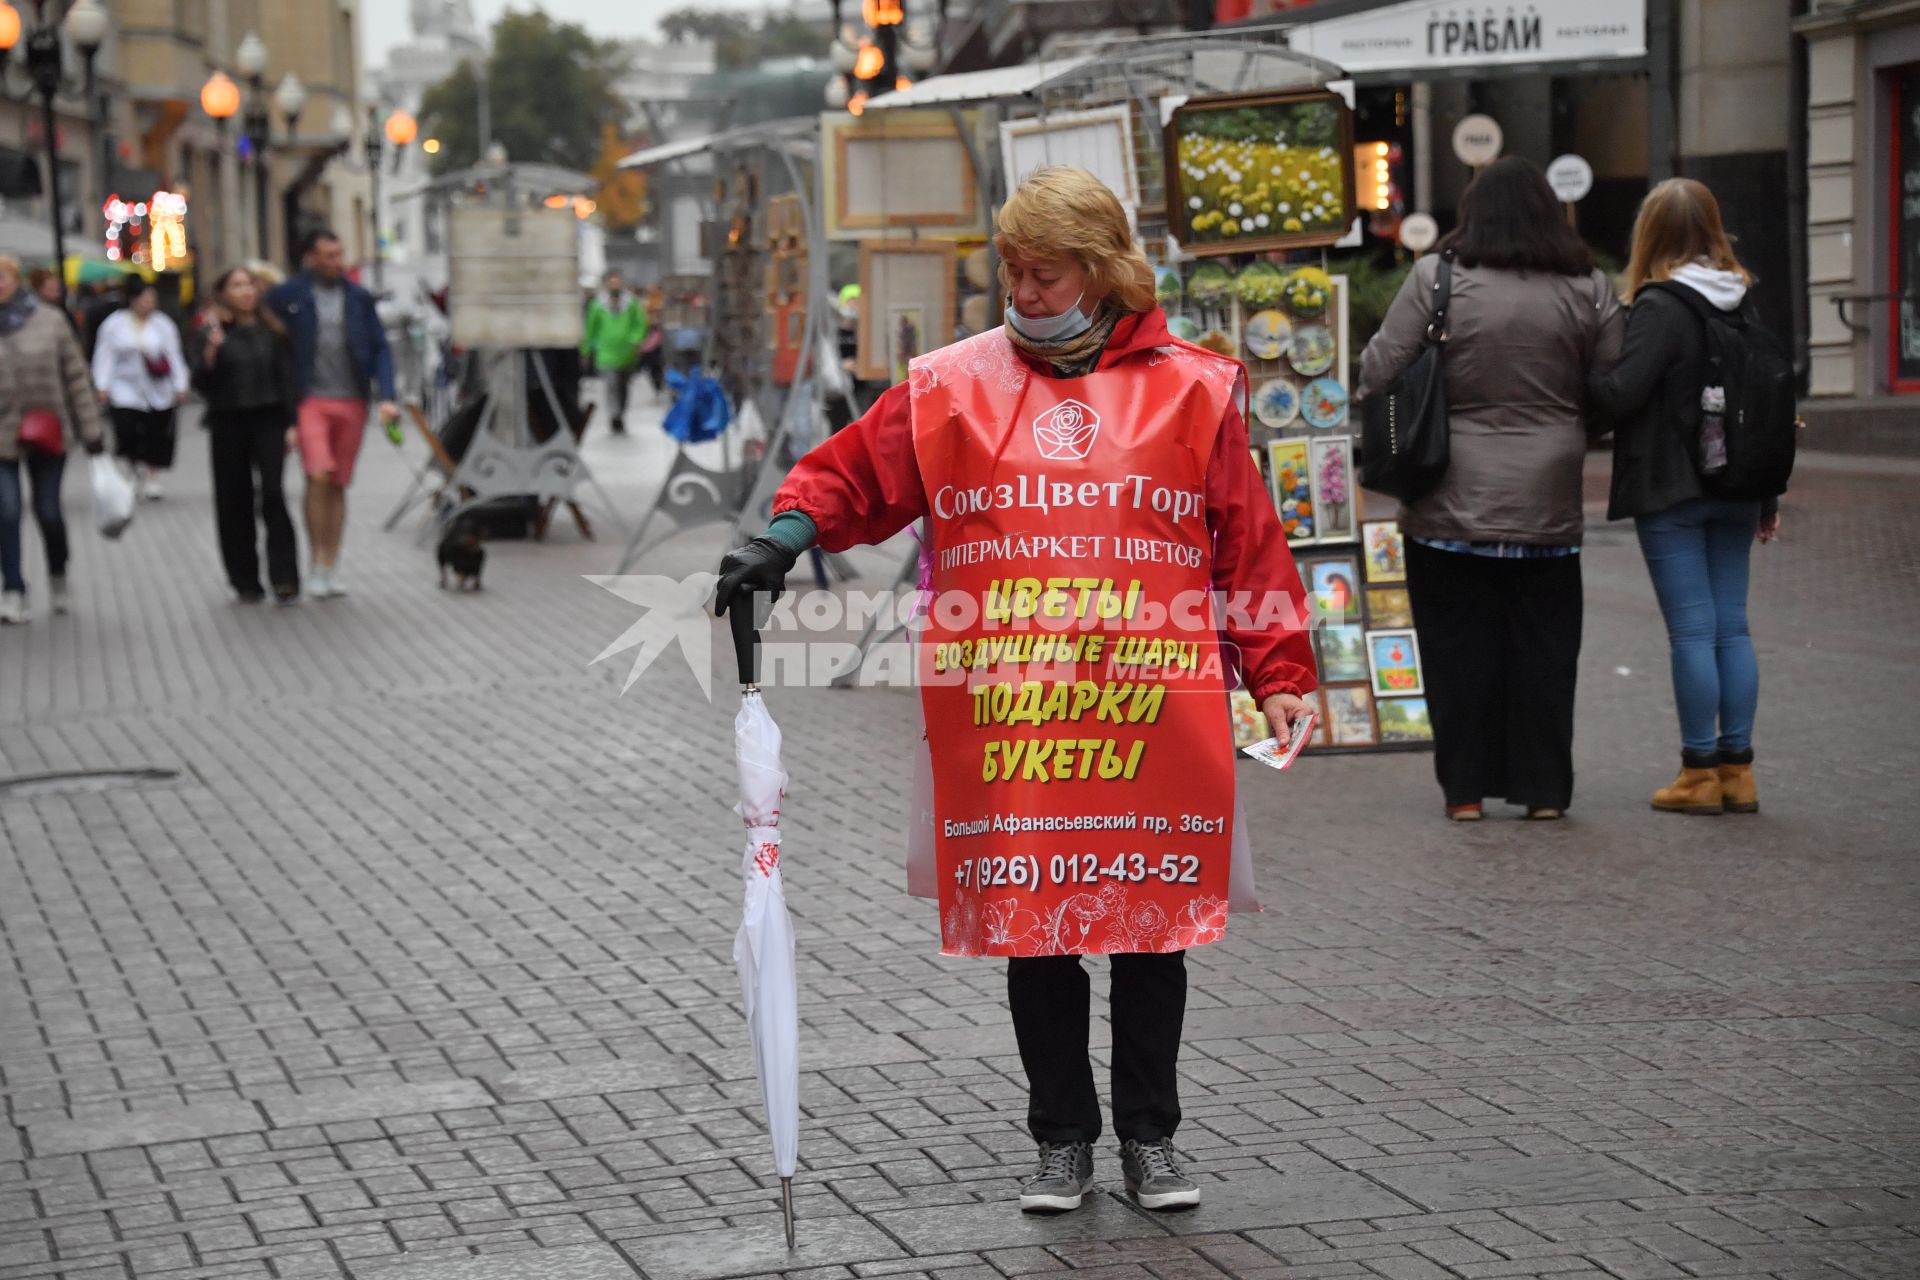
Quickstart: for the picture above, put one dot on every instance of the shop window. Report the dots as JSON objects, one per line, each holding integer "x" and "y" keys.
{"x": 1903, "y": 258}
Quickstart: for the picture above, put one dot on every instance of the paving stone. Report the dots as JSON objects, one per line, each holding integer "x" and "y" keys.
{"x": 1759, "y": 1167}
{"x": 1000, "y": 1225}
{"x": 818, "y": 1053}
{"x": 336, "y": 1106}
{"x": 627, "y": 1075}
{"x": 953, "y": 1043}
{"x": 1285, "y": 1200}
{"x": 568, "y": 1262}
{"x": 146, "y": 1128}
{"x": 1486, "y": 1184}
{"x": 760, "y": 1246}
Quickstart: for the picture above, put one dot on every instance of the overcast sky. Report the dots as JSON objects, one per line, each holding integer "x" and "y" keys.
{"x": 385, "y": 21}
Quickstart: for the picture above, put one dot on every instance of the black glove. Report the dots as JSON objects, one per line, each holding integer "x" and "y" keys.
{"x": 94, "y": 448}
{"x": 761, "y": 565}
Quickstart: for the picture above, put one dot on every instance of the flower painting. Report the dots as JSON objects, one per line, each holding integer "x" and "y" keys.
{"x": 1292, "y": 489}
{"x": 1260, "y": 171}
{"x": 1394, "y": 657}
{"x": 1332, "y": 465}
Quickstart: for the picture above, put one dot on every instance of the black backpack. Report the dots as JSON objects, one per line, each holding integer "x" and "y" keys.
{"x": 1744, "y": 451}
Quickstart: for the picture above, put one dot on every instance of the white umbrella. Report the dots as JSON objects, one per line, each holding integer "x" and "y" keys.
{"x": 763, "y": 948}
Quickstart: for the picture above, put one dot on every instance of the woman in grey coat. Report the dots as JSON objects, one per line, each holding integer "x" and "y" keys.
{"x": 41, "y": 368}
{"x": 1493, "y": 565}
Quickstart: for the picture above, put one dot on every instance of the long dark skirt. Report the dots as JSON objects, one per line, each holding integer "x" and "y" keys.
{"x": 144, "y": 436}
{"x": 1500, "y": 644}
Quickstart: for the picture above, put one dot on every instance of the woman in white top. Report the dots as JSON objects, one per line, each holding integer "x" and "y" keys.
{"x": 141, "y": 374}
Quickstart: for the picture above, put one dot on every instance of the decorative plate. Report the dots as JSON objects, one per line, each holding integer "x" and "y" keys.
{"x": 1324, "y": 403}
{"x": 1268, "y": 335}
{"x": 1167, "y": 289}
{"x": 1260, "y": 284}
{"x": 1312, "y": 351}
{"x": 1183, "y": 328}
{"x": 1211, "y": 286}
{"x": 1276, "y": 404}
{"x": 1218, "y": 341}
{"x": 1309, "y": 291}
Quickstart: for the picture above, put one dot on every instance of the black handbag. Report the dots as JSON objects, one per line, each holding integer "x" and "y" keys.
{"x": 1403, "y": 430}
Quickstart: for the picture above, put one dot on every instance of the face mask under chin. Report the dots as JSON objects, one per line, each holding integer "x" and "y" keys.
{"x": 1065, "y": 327}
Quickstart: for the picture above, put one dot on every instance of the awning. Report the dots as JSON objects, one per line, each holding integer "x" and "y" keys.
{"x": 769, "y": 133}
{"x": 1157, "y": 64}
{"x": 1439, "y": 37}
{"x": 993, "y": 84}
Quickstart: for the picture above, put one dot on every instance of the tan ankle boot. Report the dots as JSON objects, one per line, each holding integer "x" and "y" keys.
{"x": 1694, "y": 791}
{"x": 1737, "y": 789}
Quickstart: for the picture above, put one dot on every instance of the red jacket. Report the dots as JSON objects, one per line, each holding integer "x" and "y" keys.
{"x": 863, "y": 485}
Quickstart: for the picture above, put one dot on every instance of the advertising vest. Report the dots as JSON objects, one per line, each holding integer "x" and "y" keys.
{"x": 1070, "y": 670}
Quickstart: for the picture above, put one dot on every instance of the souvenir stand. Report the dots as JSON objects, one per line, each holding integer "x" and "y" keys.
{"x": 513, "y": 296}
{"x": 1235, "y": 160}
{"x": 768, "y": 311}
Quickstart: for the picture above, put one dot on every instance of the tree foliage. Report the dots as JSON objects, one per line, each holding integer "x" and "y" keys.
{"x": 623, "y": 192}
{"x": 550, "y": 87}
{"x": 741, "y": 41}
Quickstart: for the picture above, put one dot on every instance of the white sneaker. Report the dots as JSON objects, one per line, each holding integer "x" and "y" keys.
{"x": 57, "y": 591}
{"x": 322, "y": 585}
{"x": 13, "y": 608}
{"x": 150, "y": 490}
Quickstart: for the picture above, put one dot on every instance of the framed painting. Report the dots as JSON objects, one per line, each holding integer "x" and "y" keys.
{"x": 1385, "y": 551}
{"x": 1333, "y": 584}
{"x": 1405, "y": 720}
{"x": 1287, "y": 472}
{"x": 1099, "y": 140}
{"x": 1249, "y": 725}
{"x": 906, "y": 337}
{"x": 900, "y": 169}
{"x": 1256, "y": 171}
{"x": 1350, "y": 721}
{"x": 1343, "y": 652}
{"x": 1388, "y": 607}
{"x": 1331, "y": 467}
{"x": 903, "y": 273}
{"x": 1394, "y": 659}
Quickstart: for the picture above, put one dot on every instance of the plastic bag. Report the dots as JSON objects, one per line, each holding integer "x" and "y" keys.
{"x": 700, "y": 410}
{"x": 112, "y": 498}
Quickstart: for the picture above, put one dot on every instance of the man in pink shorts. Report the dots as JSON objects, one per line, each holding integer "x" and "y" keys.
{"x": 340, "y": 356}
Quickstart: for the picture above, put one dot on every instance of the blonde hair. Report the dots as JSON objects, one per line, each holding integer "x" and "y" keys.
{"x": 1061, "y": 211}
{"x": 1679, "y": 223}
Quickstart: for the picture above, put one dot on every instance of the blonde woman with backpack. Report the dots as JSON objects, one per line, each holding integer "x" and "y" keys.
{"x": 1694, "y": 363}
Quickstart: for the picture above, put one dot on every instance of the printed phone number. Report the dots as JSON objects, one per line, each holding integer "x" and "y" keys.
{"x": 1023, "y": 871}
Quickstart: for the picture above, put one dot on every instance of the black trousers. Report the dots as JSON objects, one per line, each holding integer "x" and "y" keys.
{"x": 249, "y": 452}
{"x": 144, "y": 436}
{"x": 1500, "y": 646}
{"x": 1050, "y": 997}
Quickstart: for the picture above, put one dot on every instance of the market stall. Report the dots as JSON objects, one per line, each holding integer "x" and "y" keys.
{"x": 1236, "y": 161}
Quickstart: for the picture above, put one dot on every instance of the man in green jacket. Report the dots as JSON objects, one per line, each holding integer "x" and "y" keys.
{"x": 616, "y": 328}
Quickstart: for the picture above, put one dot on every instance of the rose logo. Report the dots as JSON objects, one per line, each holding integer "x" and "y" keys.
{"x": 1066, "y": 431}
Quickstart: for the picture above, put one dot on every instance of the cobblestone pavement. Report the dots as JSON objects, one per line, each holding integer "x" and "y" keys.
{"x": 421, "y": 966}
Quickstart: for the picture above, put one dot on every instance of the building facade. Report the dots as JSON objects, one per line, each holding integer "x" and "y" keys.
{"x": 1863, "y": 218}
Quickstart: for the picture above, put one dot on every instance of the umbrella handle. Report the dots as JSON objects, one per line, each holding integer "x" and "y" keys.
{"x": 746, "y": 640}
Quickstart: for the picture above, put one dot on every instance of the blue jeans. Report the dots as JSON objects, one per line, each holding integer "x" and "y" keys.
{"x": 43, "y": 471}
{"x": 1697, "y": 556}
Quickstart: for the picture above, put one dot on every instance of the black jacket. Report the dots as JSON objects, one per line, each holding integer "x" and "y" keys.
{"x": 1651, "y": 399}
{"x": 252, "y": 370}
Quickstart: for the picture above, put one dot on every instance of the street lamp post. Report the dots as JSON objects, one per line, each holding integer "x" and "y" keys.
{"x": 372, "y": 143}
{"x": 87, "y": 28}
{"x": 220, "y": 99}
{"x": 43, "y": 67}
{"x": 250, "y": 59}
{"x": 291, "y": 99}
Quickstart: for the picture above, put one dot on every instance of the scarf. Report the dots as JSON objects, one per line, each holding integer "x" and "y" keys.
{"x": 1075, "y": 356}
{"x": 16, "y": 310}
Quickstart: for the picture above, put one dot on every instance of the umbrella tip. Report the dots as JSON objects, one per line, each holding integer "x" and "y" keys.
{"x": 786, "y": 1205}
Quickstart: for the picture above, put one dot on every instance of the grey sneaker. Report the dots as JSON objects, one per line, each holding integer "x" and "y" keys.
{"x": 1063, "y": 1178}
{"x": 57, "y": 594}
{"x": 1153, "y": 1177}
